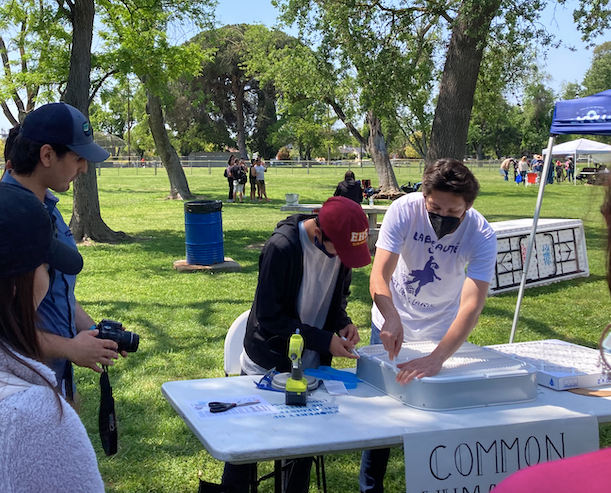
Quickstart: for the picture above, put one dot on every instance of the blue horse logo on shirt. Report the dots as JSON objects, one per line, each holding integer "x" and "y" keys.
{"x": 424, "y": 276}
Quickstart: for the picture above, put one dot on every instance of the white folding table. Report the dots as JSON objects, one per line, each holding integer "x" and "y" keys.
{"x": 364, "y": 419}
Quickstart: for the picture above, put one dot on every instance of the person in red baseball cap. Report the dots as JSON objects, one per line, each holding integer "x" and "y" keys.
{"x": 305, "y": 270}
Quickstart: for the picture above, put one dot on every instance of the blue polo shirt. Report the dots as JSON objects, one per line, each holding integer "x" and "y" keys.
{"x": 57, "y": 310}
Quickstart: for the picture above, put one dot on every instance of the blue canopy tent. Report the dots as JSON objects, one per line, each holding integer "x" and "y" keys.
{"x": 585, "y": 116}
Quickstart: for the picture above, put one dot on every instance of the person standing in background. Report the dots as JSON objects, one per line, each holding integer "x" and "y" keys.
{"x": 349, "y": 188}
{"x": 252, "y": 179}
{"x": 240, "y": 177}
{"x": 570, "y": 169}
{"x": 260, "y": 170}
{"x": 523, "y": 168}
{"x": 227, "y": 174}
{"x": 505, "y": 168}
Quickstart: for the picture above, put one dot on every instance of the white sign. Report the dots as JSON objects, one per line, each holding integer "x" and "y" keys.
{"x": 475, "y": 460}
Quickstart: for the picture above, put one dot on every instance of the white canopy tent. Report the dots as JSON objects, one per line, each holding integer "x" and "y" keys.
{"x": 579, "y": 147}
{"x": 599, "y": 152}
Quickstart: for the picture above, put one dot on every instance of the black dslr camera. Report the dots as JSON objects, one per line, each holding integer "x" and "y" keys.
{"x": 127, "y": 341}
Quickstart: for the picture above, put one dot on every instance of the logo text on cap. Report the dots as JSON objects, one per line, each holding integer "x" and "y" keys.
{"x": 358, "y": 238}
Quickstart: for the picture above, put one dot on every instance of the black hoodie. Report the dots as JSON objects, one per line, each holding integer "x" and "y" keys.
{"x": 273, "y": 317}
{"x": 350, "y": 189}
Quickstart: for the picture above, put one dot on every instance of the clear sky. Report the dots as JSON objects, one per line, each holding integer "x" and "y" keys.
{"x": 562, "y": 64}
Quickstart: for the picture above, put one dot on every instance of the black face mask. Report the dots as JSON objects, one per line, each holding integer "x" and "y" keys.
{"x": 322, "y": 248}
{"x": 443, "y": 225}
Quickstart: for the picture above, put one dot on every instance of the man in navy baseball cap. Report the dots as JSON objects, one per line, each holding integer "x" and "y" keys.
{"x": 60, "y": 123}
{"x": 48, "y": 152}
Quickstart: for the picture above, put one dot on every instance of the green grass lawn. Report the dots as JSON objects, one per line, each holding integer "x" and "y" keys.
{"x": 182, "y": 318}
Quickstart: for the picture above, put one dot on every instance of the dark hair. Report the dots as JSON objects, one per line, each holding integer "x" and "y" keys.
{"x": 349, "y": 176}
{"x": 450, "y": 175}
{"x": 18, "y": 322}
{"x": 24, "y": 154}
{"x": 17, "y": 316}
{"x": 10, "y": 140}
{"x": 230, "y": 160}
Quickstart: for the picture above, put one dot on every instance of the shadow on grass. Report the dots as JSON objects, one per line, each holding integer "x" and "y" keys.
{"x": 556, "y": 287}
{"x": 171, "y": 243}
{"x": 537, "y": 326}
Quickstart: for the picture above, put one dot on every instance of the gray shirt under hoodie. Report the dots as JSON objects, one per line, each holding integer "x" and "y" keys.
{"x": 39, "y": 452}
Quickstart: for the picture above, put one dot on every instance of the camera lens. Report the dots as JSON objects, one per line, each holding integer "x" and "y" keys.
{"x": 129, "y": 342}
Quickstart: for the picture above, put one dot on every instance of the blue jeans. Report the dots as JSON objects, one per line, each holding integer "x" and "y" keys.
{"x": 373, "y": 462}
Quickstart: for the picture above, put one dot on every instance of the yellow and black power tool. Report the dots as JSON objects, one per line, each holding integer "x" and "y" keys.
{"x": 296, "y": 393}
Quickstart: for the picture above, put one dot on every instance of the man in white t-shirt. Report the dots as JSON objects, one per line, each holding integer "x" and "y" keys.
{"x": 260, "y": 170}
{"x": 434, "y": 261}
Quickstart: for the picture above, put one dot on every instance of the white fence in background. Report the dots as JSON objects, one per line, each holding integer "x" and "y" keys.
{"x": 308, "y": 166}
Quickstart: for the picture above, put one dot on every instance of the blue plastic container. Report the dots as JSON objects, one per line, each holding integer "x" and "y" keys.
{"x": 204, "y": 232}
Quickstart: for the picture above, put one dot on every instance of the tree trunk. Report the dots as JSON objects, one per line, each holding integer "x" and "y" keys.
{"x": 379, "y": 154}
{"x": 86, "y": 219}
{"x": 179, "y": 188}
{"x": 266, "y": 117}
{"x": 376, "y": 146}
{"x": 424, "y": 146}
{"x": 479, "y": 150}
{"x": 238, "y": 93}
{"x": 457, "y": 88}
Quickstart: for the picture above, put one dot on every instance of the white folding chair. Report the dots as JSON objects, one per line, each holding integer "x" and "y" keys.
{"x": 234, "y": 342}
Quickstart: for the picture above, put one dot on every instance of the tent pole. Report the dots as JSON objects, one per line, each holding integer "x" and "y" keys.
{"x": 533, "y": 232}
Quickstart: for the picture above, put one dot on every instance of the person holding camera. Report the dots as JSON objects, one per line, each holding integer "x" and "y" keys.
{"x": 44, "y": 444}
{"x": 50, "y": 149}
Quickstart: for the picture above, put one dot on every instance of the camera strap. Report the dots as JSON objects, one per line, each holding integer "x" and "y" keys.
{"x": 108, "y": 419}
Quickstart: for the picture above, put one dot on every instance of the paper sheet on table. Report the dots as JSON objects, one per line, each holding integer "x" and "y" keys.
{"x": 202, "y": 411}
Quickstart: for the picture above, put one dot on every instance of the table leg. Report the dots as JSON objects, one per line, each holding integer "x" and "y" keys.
{"x": 373, "y": 232}
{"x": 253, "y": 478}
{"x": 373, "y": 220}
{"x": 278, "y": 476}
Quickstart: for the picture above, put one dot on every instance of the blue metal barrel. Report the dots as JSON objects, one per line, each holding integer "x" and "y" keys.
{"x": 204, "y": 232}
